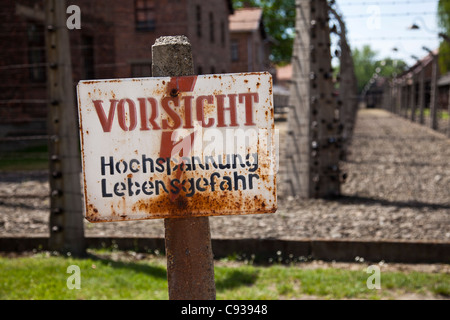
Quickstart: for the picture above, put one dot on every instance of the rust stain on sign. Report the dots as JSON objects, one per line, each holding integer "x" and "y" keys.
{"x": 178, "y": 147}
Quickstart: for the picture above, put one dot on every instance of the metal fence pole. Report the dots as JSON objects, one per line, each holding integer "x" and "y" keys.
{"x": 190, "y": 265}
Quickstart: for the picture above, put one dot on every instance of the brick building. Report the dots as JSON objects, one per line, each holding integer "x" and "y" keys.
{"x": 250, "y": 45}
{"x": 114, "y": 41}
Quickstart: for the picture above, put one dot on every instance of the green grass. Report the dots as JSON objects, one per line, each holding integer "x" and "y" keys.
{"x": 31, "y": 158}
{"x": 442, "y": 114}
{"x": 44, "y": 277}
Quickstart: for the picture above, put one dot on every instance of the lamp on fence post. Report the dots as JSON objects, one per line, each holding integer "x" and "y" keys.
{"x": 444, "y": 36}
{"x": 415, "y": 26}
{"x": 398, "y": 91}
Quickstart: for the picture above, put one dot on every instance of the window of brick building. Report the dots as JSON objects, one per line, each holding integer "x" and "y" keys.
{"x": 198, "y": 14}
{"x": 87, "y": 54}
{"x": 141, "y": 69}
{"x": 222, "y": 33}
{"x": 211, "y": 27}
{"x": 145, "y": 15}
{"x": 234, "y": 50}
{"x": 36, "y": 52}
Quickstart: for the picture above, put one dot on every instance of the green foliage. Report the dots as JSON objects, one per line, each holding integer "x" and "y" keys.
{"x": 444, "y": 57}
{"x": 366, "y": 64}
{"x": 390, "y": 68}
{"x": 279, "y": 23}
{"x": 443, "y": 16}
{"x": 30, "y": 158}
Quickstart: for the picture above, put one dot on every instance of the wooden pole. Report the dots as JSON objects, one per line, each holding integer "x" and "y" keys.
{"x": 190, "y": 265}
{"x": 66, "y": 217}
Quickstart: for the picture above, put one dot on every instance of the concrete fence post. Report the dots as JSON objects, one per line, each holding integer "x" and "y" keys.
{"x": 190, "y": 266}
{"x": 413, "y": 99}
{"x": 313, "y": 145}
{"x": 448, "y": 108}
{"x": 422, "y": 95}
{"x": 66, "y": 217}
{"x": 433, "y": 99}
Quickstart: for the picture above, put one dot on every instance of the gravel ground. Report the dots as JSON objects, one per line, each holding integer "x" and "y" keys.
{"x": 398, "y": 187}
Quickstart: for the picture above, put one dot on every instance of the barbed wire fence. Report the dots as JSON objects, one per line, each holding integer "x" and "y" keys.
{"x": 416, "y": 96}
{"x": 322, "y": 113}
{"x": 322, "y": 116}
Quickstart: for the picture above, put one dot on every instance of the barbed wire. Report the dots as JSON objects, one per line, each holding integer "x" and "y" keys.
{"x": 390, "y": 15}
{"x": 382, "y": 3}
{"x": 393, "y": 38}
{"x": 27, "y": 101}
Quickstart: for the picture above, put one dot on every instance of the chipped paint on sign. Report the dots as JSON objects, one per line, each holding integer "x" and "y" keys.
{"x": 177, "y": 146}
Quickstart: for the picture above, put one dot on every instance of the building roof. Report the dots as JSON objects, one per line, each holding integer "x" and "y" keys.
{"x": 245, "y": 19}
{"x": 284, "y": 73}
{"x": 422, "y": 63}
{"x": 444, "y": 80}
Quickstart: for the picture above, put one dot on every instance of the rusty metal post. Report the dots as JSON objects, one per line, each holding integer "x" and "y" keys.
{"x": 190, "y": 266}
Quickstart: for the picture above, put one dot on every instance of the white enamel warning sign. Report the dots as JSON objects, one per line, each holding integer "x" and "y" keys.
{"x": 178, "y": 146}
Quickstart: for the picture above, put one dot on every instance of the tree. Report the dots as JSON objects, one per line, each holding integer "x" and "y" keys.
{"x": 364, "y": 62}
{"x": 390, "y": 68}
{"x": 366, "y": 65}
{"x": 443, "y": 16}
{"x": 279, "y": 23}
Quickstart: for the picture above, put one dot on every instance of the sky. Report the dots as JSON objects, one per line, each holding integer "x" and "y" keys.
{"x": 383, "y": 24}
